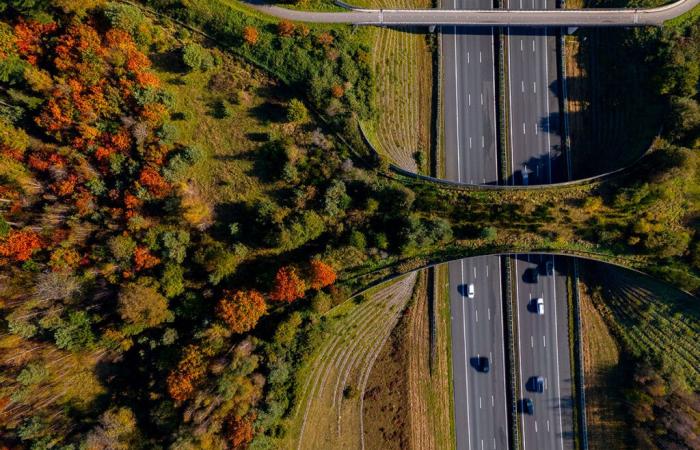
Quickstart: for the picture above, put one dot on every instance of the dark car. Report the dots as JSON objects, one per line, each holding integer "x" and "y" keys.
{"x": 549, "y": 267}
{"x": 535, "y": 384}
{"x": 527, "y": 406}
{"x": 484, "y": 365}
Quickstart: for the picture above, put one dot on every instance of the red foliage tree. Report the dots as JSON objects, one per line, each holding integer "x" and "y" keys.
{"x": 288, "y": 285}
{"x": 154, "y": 182}
{"x": 20, "y": 245}
{"x": 241, "y": 310}
{"x": 143, "y": 259}
{"x": 320, "y": 274}
{"x": 337, "y": 91}
{"x": 29, "y": 36}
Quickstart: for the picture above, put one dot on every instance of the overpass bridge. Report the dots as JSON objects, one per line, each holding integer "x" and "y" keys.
{"x": 590, "y": 17}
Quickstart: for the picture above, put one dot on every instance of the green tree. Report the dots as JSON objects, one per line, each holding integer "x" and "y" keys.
{"x": 172, "y": 282}
{"x": 297, "y": 112}
{"x": 336, "y": 199}
{"x": 75, "y": 333}
{"x": 122, "y": 247}
{"x": 196, "y": 57}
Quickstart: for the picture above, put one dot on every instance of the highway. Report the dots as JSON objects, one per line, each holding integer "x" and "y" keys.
{"x": 481, "y": 420}
{"x": 469, "y": 100}
{"x": 533, "y": 89}
{"x": 592, "y": 17}
{"x": 543, "y": 350}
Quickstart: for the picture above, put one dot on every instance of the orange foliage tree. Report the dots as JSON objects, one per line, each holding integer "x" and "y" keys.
{"x": 143, "y": 259}
{"x": 20, "y": 245}
{"x": 285, "y": 28}
{"x": 240, "y": 431}
{"x": 288, "y": 285}
{"x": 250, "y": 35}
{"x": 241, "y": 310}
{"x": 320, "y": 274}
{"x": 190, "y": 370}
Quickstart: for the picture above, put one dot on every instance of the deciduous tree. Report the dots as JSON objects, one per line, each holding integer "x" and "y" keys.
{"x": 250, "y": 35}
{"x": 19, "y": 245}
{"x": 288, "y": 285}
{"x": 142, "y": 305}
{"x": 320, "y": 274}
{"x": 241, "y": 310}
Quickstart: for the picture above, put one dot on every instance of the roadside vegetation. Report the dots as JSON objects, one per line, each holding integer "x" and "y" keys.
{"x": 402, "y": 66}
{"x": 653, "y": 92}
{"x": 656, "y": 372}
{"x": 335, "y": 389}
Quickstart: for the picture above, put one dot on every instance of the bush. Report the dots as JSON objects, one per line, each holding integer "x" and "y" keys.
{"x": 196, "y": 57}
{"x": 296, "y": 111}
{"x": 488, "y": 233}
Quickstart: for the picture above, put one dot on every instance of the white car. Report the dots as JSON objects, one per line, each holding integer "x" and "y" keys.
{"x": 470, "y": 291}
{"x": 524, "y": 172}
{"x": 540, "y": 306}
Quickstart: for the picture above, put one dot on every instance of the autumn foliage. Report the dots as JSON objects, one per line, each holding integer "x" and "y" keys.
{"x": 190, "y": 370}
{"x": 20, "y": 245}
{"x": 288, "y": 285}
{"x": 285, "y": 28}
{"x": 143, "y": 259}
{"x": 241, "y": 310}
{"x": 320, "y": 274}
{"x": 250, "y": 35}
{"x": 240, "y": 431}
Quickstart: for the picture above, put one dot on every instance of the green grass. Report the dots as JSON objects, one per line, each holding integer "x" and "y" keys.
{"x": 651, "y": 319}
{"x": 225, "y": 174}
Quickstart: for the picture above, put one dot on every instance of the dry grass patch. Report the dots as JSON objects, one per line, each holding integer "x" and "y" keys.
{"x": 603, "y": 381}
{"x": 330, "y": 403}
{"x": 402, "y": 65}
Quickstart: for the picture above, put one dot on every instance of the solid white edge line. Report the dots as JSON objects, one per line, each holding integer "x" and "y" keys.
{"x": 510, "y": 108}
{"x": 520, "y": 362}
{"x": 493, "y": 104}
{"x": 466, "y": 365}
{"x": 503, "y": 351}
{"x": 459, "y": 164}
{"x": 546, "y": 101}
{"x": 556, "y": 351}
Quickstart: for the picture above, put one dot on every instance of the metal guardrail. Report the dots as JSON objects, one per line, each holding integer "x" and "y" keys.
{"x": 507, "y": 286}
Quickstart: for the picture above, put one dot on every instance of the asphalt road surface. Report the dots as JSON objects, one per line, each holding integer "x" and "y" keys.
{"x": 543, "y": 350}
{"x": 561, "y": 18}
{"x": 481, "y": 420}
{"x": 535, "y": 139}
{"x": 469, "y": 100}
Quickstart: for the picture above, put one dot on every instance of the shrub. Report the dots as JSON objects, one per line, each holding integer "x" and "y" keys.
{"x": 196, "y": 57}
{"x": 296, "y": 111}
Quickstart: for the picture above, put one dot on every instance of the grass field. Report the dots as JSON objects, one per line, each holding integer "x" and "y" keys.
{"x": 331, "y": 398}
{"x": 603, "y": 376}
{"x": 403, "y": 71}
{"x": 226, "y": 174}
{"x": 649, "y": 318}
